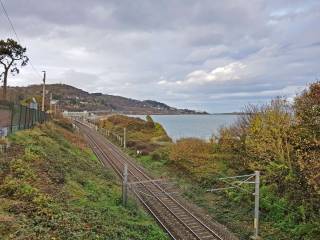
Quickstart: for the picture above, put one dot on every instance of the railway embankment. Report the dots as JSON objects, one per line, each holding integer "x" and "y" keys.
{"x": 53, "y": 187}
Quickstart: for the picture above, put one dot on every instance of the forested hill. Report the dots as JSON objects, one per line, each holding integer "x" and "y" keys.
{"x": 74, "y": 99}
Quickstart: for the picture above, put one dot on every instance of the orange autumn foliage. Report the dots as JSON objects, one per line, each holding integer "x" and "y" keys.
{"x": 190, "y": 153}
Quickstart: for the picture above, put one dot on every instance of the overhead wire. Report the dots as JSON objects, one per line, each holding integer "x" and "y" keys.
{"x": 234, "y": 185}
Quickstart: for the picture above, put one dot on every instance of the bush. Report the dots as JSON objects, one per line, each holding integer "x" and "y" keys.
{"x": 64, "y": 123}
{"x": 283, "y": 141}
{"x": 190, "y": 153}
{"x": 268, "y": 135}
{"x": 155, "y": 156}
{"x": 307, "y": 138}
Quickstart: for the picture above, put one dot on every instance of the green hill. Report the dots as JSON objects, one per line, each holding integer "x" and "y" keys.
{"x": 74, "y": 99}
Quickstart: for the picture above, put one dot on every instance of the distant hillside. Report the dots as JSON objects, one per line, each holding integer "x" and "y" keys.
{"x": 74, "y": 99}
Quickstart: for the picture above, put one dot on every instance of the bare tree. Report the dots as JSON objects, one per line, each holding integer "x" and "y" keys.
{"x": 12, "y": 57}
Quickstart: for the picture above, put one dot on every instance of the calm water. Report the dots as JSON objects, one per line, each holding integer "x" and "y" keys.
{"x": 200, "y": 126}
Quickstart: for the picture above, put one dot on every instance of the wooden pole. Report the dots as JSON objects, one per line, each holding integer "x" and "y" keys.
{"x": 43, "y": 90}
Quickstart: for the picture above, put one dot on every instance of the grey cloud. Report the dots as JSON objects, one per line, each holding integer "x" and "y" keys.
{"x": 126, "y": 47}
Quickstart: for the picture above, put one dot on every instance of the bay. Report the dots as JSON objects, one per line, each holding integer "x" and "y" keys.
{"x": 199, "y": 126}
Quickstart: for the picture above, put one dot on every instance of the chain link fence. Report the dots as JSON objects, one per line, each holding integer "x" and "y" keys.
{"x": 14, "y": 117}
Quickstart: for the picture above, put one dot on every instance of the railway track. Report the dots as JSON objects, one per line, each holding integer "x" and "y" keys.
{"x": 178, "y": 221}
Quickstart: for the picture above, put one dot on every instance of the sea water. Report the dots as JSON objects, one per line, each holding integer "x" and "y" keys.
{"x": 199, "y": 126}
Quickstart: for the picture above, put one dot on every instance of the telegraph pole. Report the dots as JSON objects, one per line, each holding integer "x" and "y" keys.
{"x": 256, "y": 194}
{"x": 43, "y": 89}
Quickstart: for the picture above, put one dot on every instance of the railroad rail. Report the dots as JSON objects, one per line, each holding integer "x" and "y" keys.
{"x": 178, "y": 221}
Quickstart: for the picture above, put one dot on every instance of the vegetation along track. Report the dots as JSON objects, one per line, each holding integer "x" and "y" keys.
{"x": 176, "y": 219}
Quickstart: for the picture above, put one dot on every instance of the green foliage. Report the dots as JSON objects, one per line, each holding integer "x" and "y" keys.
{"x": 12, "y": 57}
{"x": 191, "y": 155}
{"x": 281, "y": 140}
{"x": 20, "y": 169}
{"x": 268, "y": 136}
{"x": 145, "y": 136}
{"x": 307, "y": 138}
{"x": 52, "y": 189}
{"x": 65, "y": 123}
{"x": 27, "y": 101}
{"x": 150, "y": 122}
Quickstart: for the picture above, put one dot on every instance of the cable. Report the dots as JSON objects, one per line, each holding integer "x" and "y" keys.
{"x": 9, "y": 20}
{"x": 17, "y": 37}
{"x": 262, "y": 197}
{"x": 34, "y": 69}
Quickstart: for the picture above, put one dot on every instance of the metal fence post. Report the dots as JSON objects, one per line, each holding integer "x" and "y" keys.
{"x": 32, "y": 115}
{"x": 256, "y": 205}
{"x": 25, "y": 118}
{"x": 28, "y": 119}
{"x": 20, "y": 113}
{"x": 12, "y": 113}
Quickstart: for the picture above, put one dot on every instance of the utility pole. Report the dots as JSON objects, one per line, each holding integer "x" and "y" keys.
{"x": 237, "y": 184}
{"x": 43, "y": 89}
{"x": 125, "y": 186}
{"x": 124, "y": 138}
{"x": 256, "y": 205}
{"x": 50, "y": 103}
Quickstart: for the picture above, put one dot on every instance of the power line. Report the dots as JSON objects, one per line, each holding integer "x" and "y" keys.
{"x": 34, "y": 69}
{"x": 17, "y": 37}
{"x": 234, "y": 185}
{"x": 9, "y": 20}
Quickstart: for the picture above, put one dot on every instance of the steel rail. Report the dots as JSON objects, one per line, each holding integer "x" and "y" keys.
{"x": 115, "y": 152}
{"x": 101, "y": 154}
{"x": 122, "y": 155}
{"x": 114, "y": 148}
{"x": 151, "y": 192}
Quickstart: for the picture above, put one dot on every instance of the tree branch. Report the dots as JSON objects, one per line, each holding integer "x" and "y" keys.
{"x": 3, "y": 64}
{"x": 10, "y": 64}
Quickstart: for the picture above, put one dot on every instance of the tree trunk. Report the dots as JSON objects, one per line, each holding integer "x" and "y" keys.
{"x": 5, "y": 78}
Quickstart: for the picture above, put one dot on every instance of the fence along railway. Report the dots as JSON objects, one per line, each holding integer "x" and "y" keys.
{"x": 178, "y": 221}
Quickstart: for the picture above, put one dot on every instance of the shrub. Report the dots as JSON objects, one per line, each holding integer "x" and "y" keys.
{"x": 307, "y": 138}
{"x": 268, "y": 135}
{"x": 155, "y": 156}
{"x": 190, "y": 153}
{"x": 65, "y": 123}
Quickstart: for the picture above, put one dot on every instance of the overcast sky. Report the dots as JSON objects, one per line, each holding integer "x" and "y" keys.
{"x": 202, "y": 54}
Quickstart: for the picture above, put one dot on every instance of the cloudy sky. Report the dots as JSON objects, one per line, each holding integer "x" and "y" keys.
{"x": 203, "y": 54}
